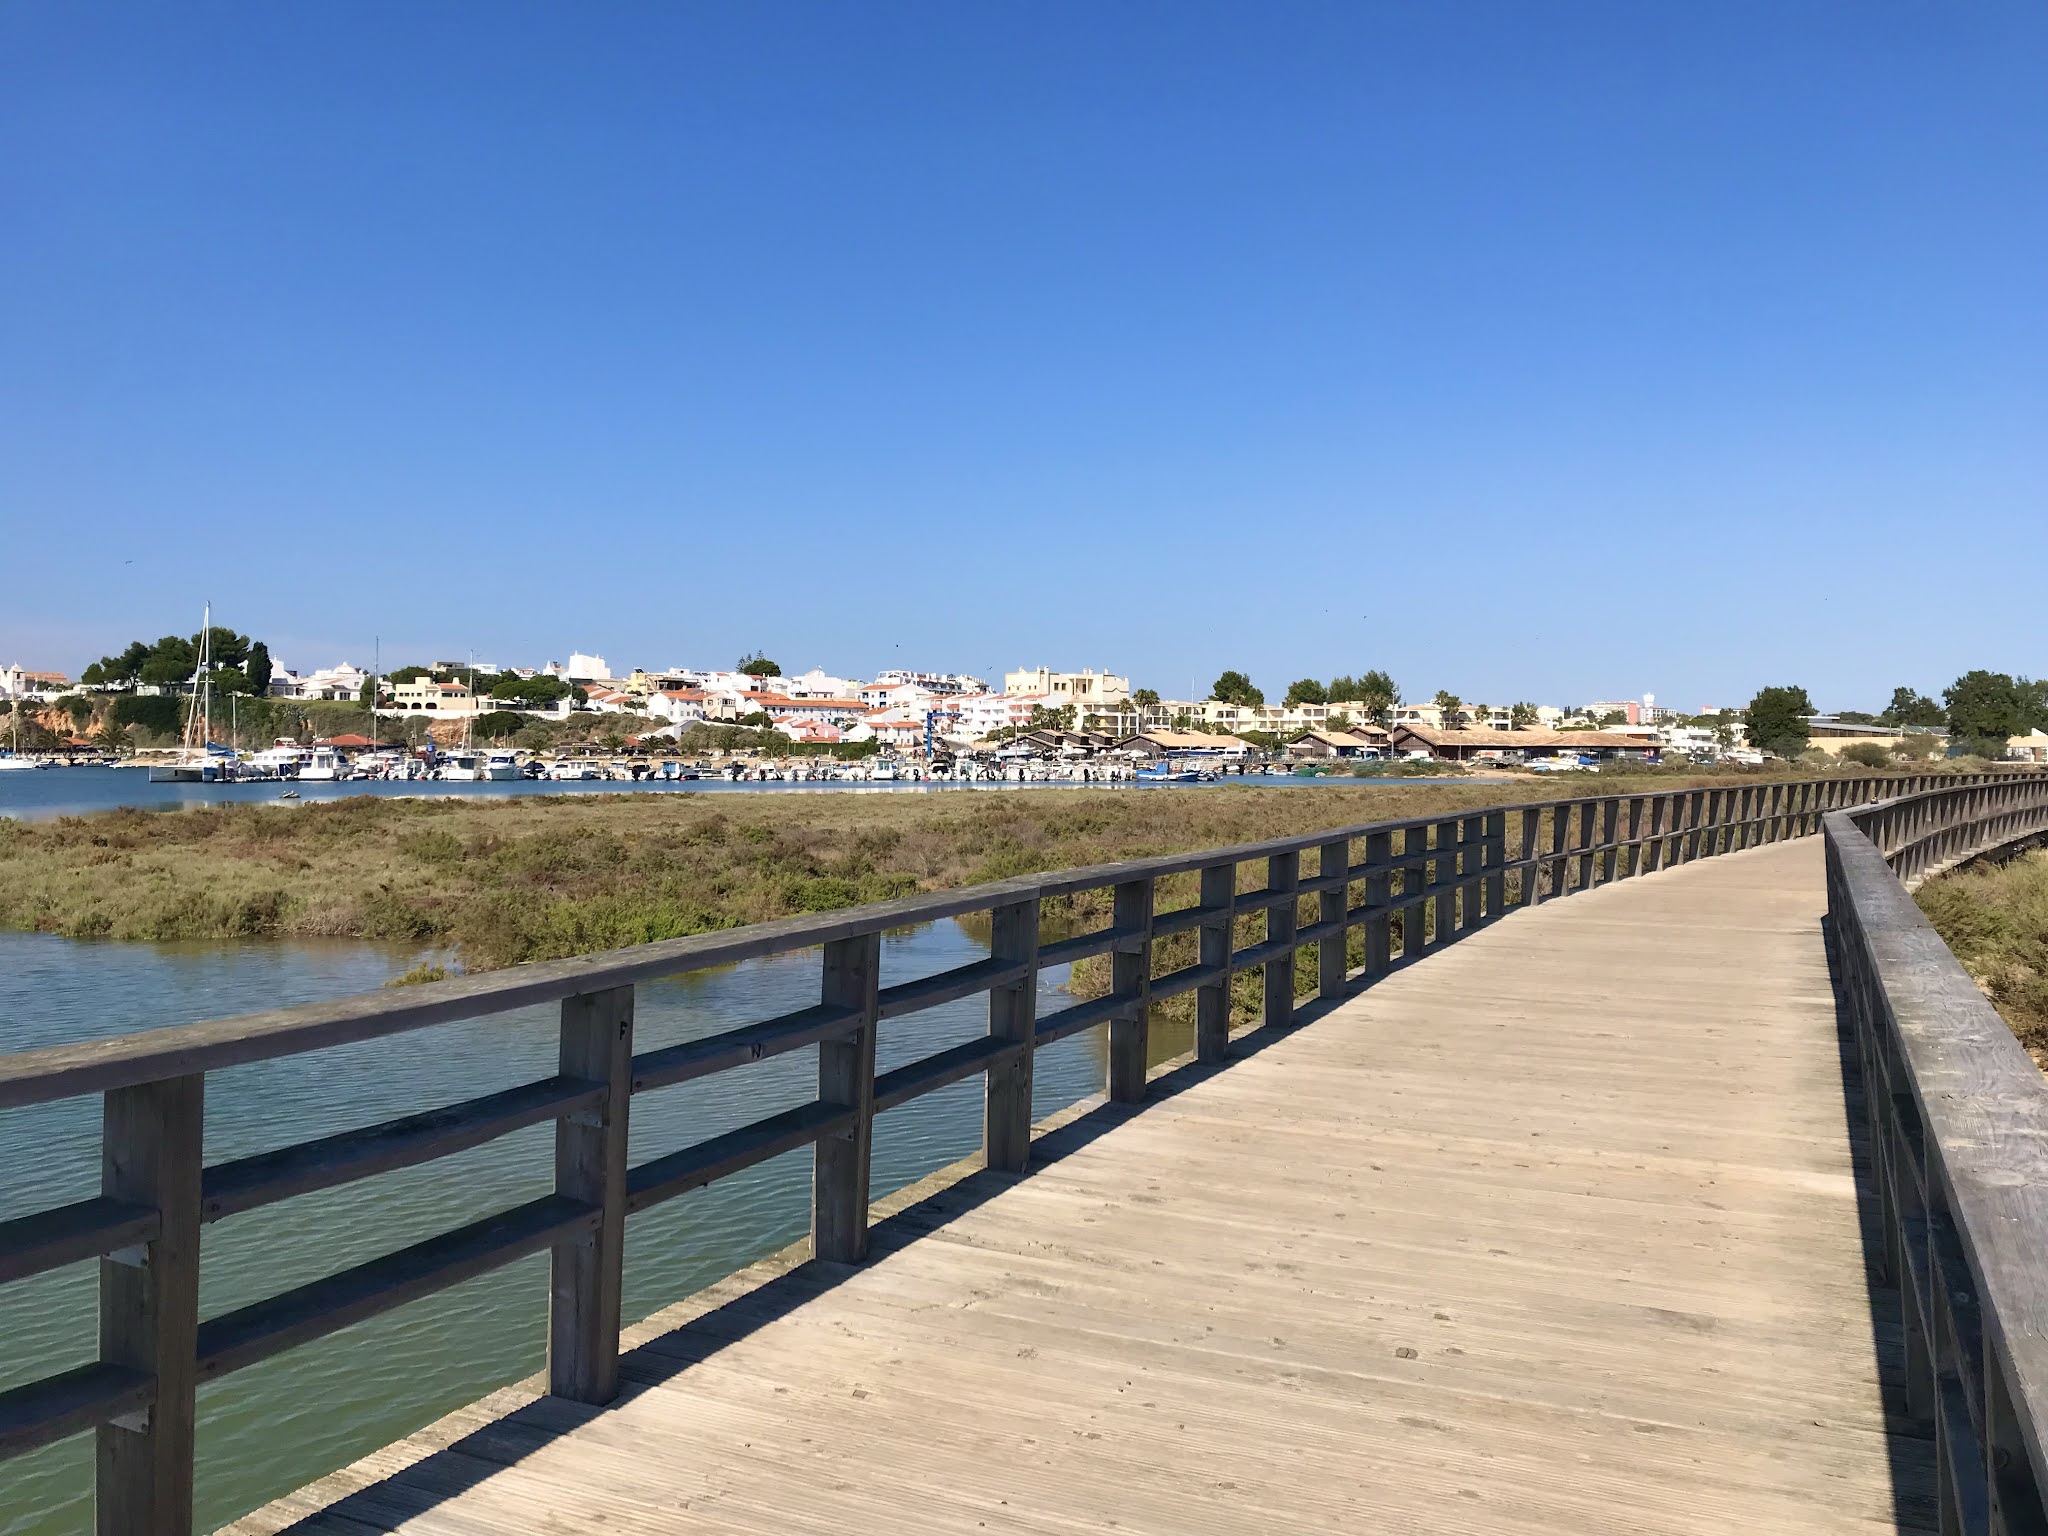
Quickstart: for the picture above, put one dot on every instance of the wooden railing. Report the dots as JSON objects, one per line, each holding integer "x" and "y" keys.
{"x": 1419, "y": 884}
{"x": 1958, "y": 1118}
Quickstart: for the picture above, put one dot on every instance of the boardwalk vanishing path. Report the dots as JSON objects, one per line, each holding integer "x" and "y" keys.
{"x": 1557, "y": 1231}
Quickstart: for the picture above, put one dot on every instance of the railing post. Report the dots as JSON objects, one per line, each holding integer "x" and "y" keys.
{"x": 2015, "y": 1501}
{"x": 1212, "y": 1001}
{"x": 1379, "y": 922}
{"x": 1529, "y": 879}
{"x": 1610, "y": 827}
{"x": 1333, "y": 906}
{"x": 1494, "y": 830}
{"x": 1130, "y": 1032}
{"x": 1283, "y": 873}
{"x": 1013, "y": 1016}
{"x": 1559, "y": 866}
{"x": 1443, "y": 883}
{"x": 1588, "y": 830}
{"x": 846, "y": 1076}
{"x": 151, "y": 1152}
{"x": 585, "y": 1274}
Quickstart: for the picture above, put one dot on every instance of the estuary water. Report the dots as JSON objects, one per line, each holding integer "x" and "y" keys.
{"x": 278, "y": 1425}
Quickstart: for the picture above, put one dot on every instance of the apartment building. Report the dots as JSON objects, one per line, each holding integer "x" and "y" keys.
{"x": 1086, "y": 687}
{"x": 424, "y": 696}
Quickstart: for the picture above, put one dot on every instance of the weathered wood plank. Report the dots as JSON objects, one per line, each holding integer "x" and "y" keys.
{"x": 846, "y": 1078}
{"x": 1130, "y": 1031}
{"x": 1283, "y": 876}
{"x": 1219, "y": 926}
{"x": 152, "y": 1143}
{"x": 85, "y": 1229}
{"x": 228, "y": 1189}
{"x": 1012, "y": 1017}
{"x": 586, "y": 1271}
{"x": 40, "y": 1412}
{"x": 265, "y": 1328}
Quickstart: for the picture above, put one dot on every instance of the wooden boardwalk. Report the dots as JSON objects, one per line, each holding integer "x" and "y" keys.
{"x": 1558, "y": 1231}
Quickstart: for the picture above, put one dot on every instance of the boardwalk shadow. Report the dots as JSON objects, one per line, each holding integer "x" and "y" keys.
{"x": 1909, "y": 1443}
{"x": 467, "y": 1462}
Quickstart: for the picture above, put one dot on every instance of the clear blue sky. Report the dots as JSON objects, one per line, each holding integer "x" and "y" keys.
{"x": 1531, "y": 350}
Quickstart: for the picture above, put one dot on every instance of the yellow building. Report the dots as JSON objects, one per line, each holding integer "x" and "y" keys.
{"x": 424, "y": 696}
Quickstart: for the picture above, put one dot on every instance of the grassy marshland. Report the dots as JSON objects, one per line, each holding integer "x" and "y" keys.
{"x": 501, "y": 880}
{"x": 1995, "y": 918}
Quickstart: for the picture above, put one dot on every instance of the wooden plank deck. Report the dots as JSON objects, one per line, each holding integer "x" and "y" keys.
{"x": 1556, "y": 1232}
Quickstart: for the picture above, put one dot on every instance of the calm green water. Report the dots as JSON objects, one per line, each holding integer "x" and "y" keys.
{"x": 278, "y": 1425}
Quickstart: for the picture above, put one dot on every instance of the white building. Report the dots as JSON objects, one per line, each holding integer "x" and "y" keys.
{"x": 344, "y": 681}
{"x": 786, "y": 710}
{"x": 887, "y": 695}
{"x": 18, "y": 682}
{"x": 1087, "y": 687}
{"x": 680, "y": 706}
{"x": 891, "y": 727}
{"x": 582, "y": 667}
{"x": 943, "y": 683}
{"x": 983, "y": 714}
{"x": 818, "y": 684}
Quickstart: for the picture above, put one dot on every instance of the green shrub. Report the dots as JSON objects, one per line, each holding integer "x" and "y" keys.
{"x": 1870, "y": 754}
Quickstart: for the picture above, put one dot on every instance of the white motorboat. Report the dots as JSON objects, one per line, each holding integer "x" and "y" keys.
{"x": 462, "y": 768}
{"x": 502, "y": 767}
{"x": 324, "y": 764}
{"x": 573, "y": 769}
{"x": 281, "y": 761}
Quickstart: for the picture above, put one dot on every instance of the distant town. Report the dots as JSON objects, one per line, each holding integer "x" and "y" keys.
{"x": 1042, "y": 709}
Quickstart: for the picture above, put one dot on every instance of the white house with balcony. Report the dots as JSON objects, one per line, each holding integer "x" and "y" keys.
{"x": 344, "y": 681}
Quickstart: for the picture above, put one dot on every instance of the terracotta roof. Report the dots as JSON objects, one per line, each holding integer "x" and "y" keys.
{"x": 1189, "y": 740}
{"x": 1340, "y": 736}
{"x": 1524, "y": 741}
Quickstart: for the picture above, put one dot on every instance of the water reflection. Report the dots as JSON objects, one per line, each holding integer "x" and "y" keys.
{"x": 278, "y": 1425}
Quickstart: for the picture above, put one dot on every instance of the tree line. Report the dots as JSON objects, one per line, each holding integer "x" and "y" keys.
{"x": 1375, "y": 692}
{"x": 1980, "y": 710}
{"x": 236, "y": 664}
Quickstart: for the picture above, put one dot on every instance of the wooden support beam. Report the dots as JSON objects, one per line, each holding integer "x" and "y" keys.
{"x": 1283, "y": 873}
{"x": 1013, "y": 1016}
{"x": 1333, "y": 906}
{"x": 1130, "y": 1033}
{"x": 586, "y": 1272}
{"x": 1379, "y": 957}
{"x": 1494, "y": 840}
{"x": 151, "y": 1152}
{"x": 846, "y": 1078}
{"x": 1212, "y": 1002}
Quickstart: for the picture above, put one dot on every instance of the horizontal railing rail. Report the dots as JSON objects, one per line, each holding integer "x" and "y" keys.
{"x": 1420, "y": 883}
{"x": 1957, "y": 1114}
